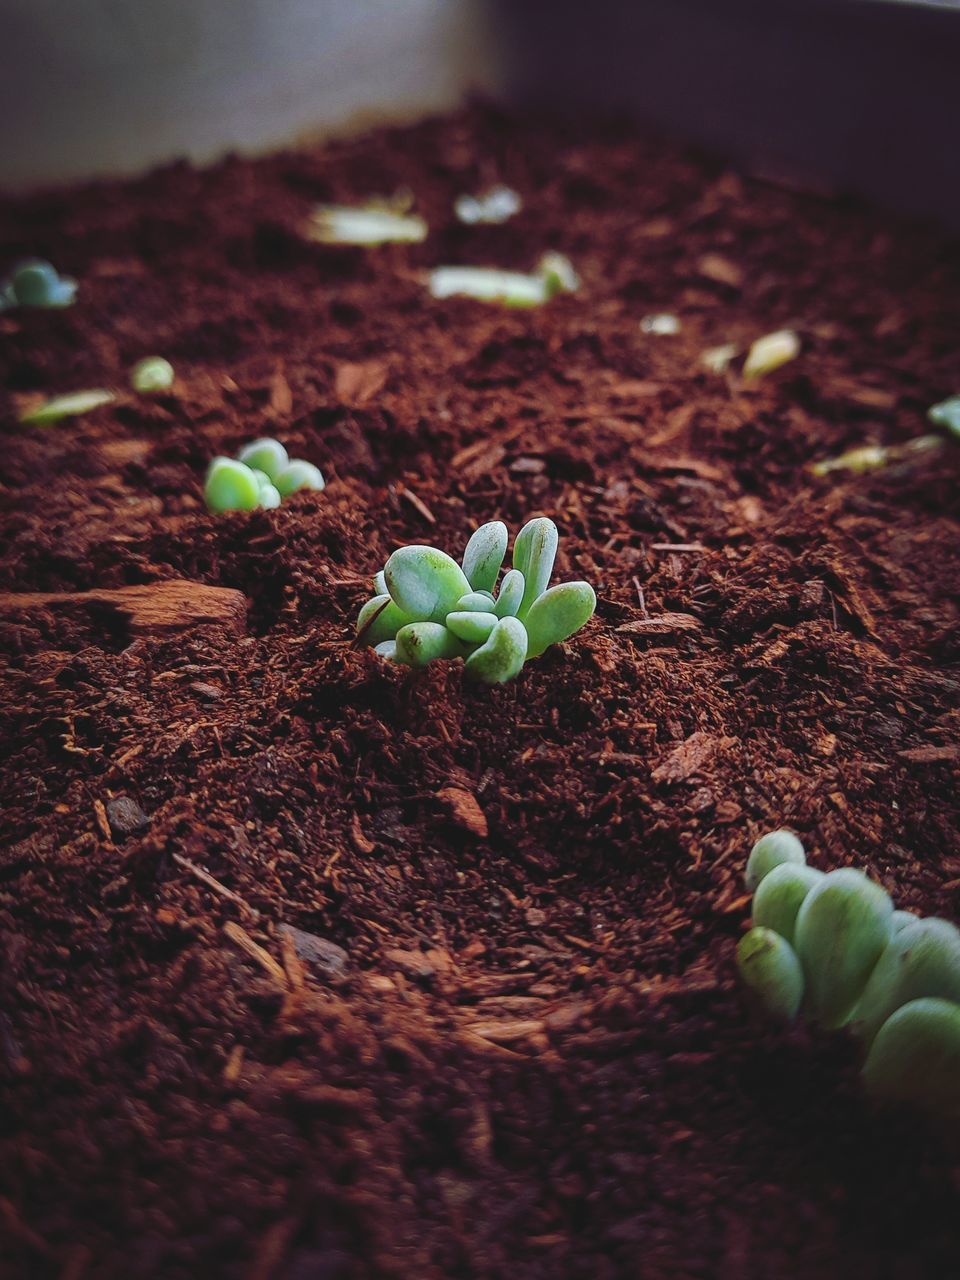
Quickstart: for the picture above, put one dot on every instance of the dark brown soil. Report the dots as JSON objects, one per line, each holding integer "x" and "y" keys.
{"x": 514, "y": 1045}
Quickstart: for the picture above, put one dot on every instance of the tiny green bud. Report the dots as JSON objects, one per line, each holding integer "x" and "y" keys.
{"x": 770, "y": 968}
{"x": 780, "y": 895}
{"x": 769, "y": 852}
{"x": 487, "y": 284}
{"x": 68, "y": 406}
{"x": 533, "y": 554}
{"x": 152, "y": 374}
{"x": 472, "y": 627}
{"x": 425, "y": 583}
{"x": 380, "y": 584}
{"x": 502, "y": 656}
{"x": 663, "y": 324}
{"x": 842, "y": 927}
{"x": 484, "y": 555}
{"x": 557, "y": 614}
{"x": 717, "y": 359}
{"x": 372, "y": 224}
{"x": 557, "y": 273}
{"x": 230, "y": 486}
{"x": 297, "y": 475}
{"x": 37, "y": 284}
{"x": 946, "y": 414}
{"x": 266, "y": 455}
{"x": 421, "y": 642}
{"x": 921, "y": 959}
{"x": 269, "y": 497}
{"x": 476, "y": 602}
{"x": 915, "y": 1056}
{"x": 770, "y": 352}
{"x": 380, "y": 619}
{"x": 511, "y": 594}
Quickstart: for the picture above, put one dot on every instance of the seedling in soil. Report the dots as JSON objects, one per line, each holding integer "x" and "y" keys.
{"x": 717, "y": 359}
{"x": 261, "y": 475}
{"x": 434, "y": 608}
{"x": 663, "y": 325}
{"x": 68, "y": 406}
{"x": 151, "y": 375}
{"x": 371, "y": 224}
{"x": 497, "y": 205}
{"x": 770, "y": 352}
{"x": 833, "y": 945}
{"x": 554, "y": 274}
{"x": 871, "y": 457}
{"x": 946, "y": 414}
{"x": 37, "y": 284}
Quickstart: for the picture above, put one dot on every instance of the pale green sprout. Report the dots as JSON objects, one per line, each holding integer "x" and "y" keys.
{"x": 946, "y": 414}
{"x": 230, "y": 486}
{"x": 151, "y": 375}
{"x": 36, "y": 283}
{"x": 370, "y": 224}
{"x": 770, "y": 968}
{"x": 891, "y": 978}
{"x": 297, "y": 475}
{"x": 266, "y": 455}
{"x": 554, "y": 274}
{"x": 770, "y": 851}
{"x": 662, "y": 325}
{"x": 556, "y": 271}
{"x": 770, "y": 352}
{"x": 69, "y": 406}
{"x": 497, "y": 205}
{"x": 434, "y": 608}
{"x": 871, "y": 457}
{"x": 274, "y": 474}
{"x": 717, "y": 359}
{"x": 915, "y": 1056}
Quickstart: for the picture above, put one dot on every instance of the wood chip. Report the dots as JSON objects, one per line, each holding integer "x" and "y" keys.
{"x": 357, "y": 383}
{"x": 507, "y": 1031}
{"x": 662, "y": 624}
{"x": 213, "y": 883}
{"x": 253, "y": 949}
{"x": 464, "y": 810}
{"x": 930, "y": 755}
{"x": 417, "y": 503}
{"x": 689, "y": 757}
{"x": 156, "y": 608}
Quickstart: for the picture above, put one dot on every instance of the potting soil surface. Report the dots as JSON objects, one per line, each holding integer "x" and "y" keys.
{"x": 314, "y": 968}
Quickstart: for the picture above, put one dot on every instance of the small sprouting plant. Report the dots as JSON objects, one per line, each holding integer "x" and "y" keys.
{"x": 554, "y": 274}
{"x": 261, "y": 475}
{"x": 872, "y": 457}
{"x": 36, "y": 283}
{"x": 376, "y": 222}
{"x": 67, "y": 406}
{"x": 428, "y": 607}
{"x": 152, "y": 374}
{"x": 496, "y": 205}
{"x": 832, "y": 946}
{"x": 770, "y": 352}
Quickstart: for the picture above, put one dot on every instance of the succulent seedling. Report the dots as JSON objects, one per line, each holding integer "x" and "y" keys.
{"x": 151, "y": 375}
{"x": 554, "y": 274}
{"x": 261, "y": 475}
{"x": 37, "y": 284}
{"x": 69, "y": 406}
{"x": 833, "y": 945}
{"x": 770, "y": 352}
{"x": 428, "y": 607}
{"x": 371, "y": 224}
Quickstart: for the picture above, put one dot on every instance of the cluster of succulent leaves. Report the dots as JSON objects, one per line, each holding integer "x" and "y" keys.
{"x": 428, "y": 607}
{"x": 36, "y": 283}
{"x": 831, "y": 945}
{"x": 261, "y": 475}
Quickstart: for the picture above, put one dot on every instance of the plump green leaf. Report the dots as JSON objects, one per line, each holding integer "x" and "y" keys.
{"x": 386, "y": 649}
{"x": 484, "y": 555}
{"x": 425, "y": 583}
{"x": 842, "y": 927}
{"x": 780, "y": 895}
{"x": 380, "y": 619}
{"x": 915, "y": 1057}
{"x": 770, "y": 851}
{"x": 421, "y": 642}
{"x": 921, "y": 959}
{"x": 265, "y": 455}
{"x": 231, "y": 486}
{"x": 946, "y": 414}
{"x": 67, "y": 406}
{"x": 770, "y": 968}
{"x": 475, "y": 602}
{"x": 297, "y": 475}
{"x": 502, "y": 656}
{"x": 472, "y": 627}
{"x": 558, "y": 613}
{"x": 511, "y": 594}
{"x": 533, "y": 554}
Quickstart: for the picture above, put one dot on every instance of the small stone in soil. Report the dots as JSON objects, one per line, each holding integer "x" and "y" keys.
{"x": 125, "y": 817}
{"x": 321, "y": 954}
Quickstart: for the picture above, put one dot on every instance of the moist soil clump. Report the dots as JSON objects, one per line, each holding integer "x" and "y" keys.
{"x": 316, "y": 967}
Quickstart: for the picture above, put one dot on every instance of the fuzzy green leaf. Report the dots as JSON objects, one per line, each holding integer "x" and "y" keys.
{"x": 472, "y": 627}
{"x": 425, "y": 583}
{"x": 770, "y": 968}
{"x": 421, "y": 642}
{"x": 502, "y": 656}
{"x": 916, "y": 1056}
{"x": 770, "y": 851}
{"x": 780, "y": 895}
{"x": 475, "y": 602}
{"x": 380, "y": 619}
{"x": 265, "y": 455}
{"x": 533, "y": 554}
{"x": 557, "y": 614}
{"x": 484, "y": 555}
{"x": 511, "y": 594}
{"x": 921, "y": 959}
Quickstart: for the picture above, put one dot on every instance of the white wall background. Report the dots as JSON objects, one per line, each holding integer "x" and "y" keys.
{"x": 89, "y": 87}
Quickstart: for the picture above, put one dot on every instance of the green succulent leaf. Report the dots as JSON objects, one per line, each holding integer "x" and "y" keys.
{"x": 511, "y": 594}
{"x": 231, "y": 486}
{"x": 380, "y": 619}
{"x": 533, "y": 554}
{"x": 421, "y": 642}
{"x": 916, "y": 1056}
{"x": 380, "y": 584}
{"x": 921, "y": 959}
{"x": 946, "y": 414}
{"x": 558, "y": 613}
{"x": 475, "y": 602}
{"x": 900, "y": 919}
{"x": 386, "y": 649}
{"x": 770, "y": 851}
{"x": 502, "y": 656}
{"x": 425, "y": 583}
{"x": 266, "y": 455}
{"x": 780, "y": 896}
{"x": 471, "y": 627}
{"x": 770, "y": 968}
{"x": 484, "y": 555}
{"x": 297, "y": 475}
{"x": 842, "y": 927}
